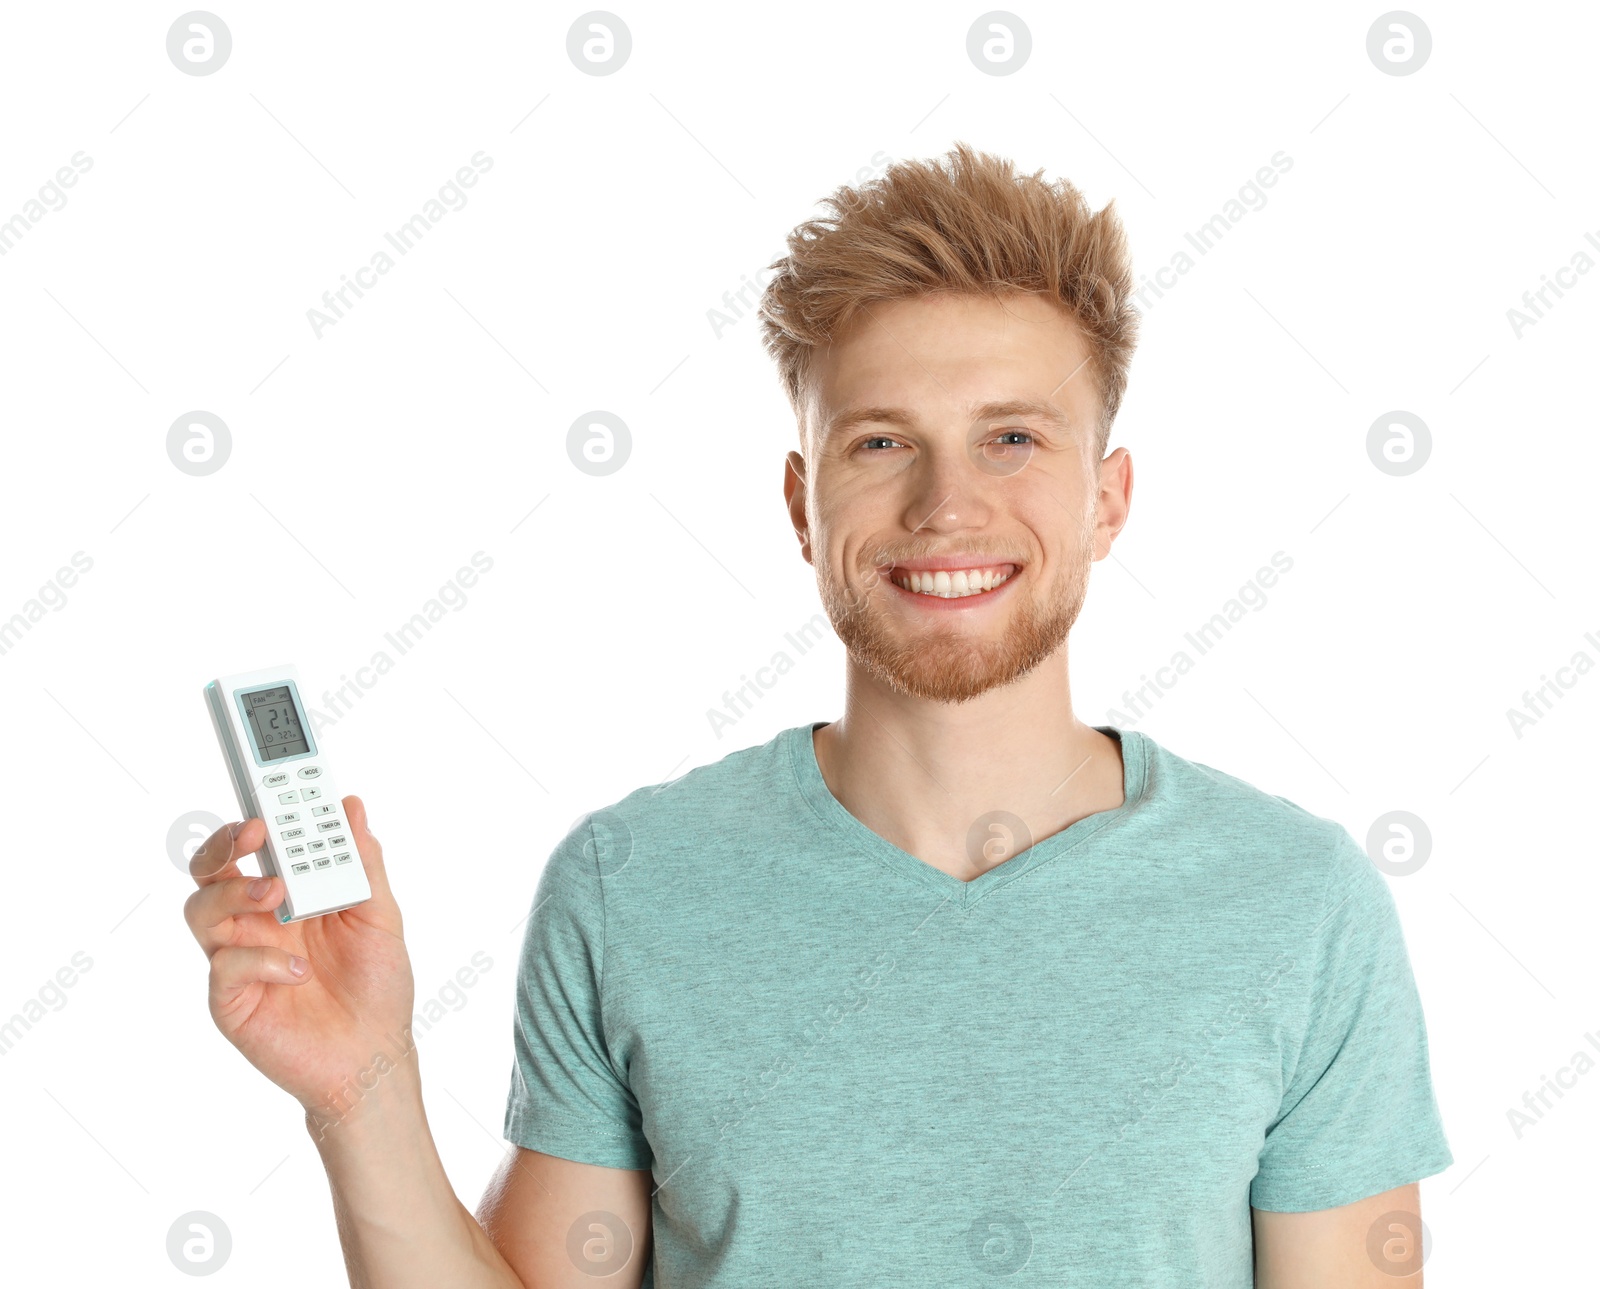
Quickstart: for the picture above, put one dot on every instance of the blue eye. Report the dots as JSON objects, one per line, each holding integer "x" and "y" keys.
{"x": 1018, "y": 434}
{"x": 879, "y": 438}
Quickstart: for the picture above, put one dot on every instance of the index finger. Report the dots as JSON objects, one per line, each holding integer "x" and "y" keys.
{"x": 218, "y": 858}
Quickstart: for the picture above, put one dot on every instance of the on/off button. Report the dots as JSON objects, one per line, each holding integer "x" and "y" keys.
{"x": 275, "y": 780}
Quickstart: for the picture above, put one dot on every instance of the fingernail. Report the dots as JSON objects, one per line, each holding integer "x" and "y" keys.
{"x": 233, "y": 829}
{"x": 258, "y": 888}
{"x": 297, "y": 964}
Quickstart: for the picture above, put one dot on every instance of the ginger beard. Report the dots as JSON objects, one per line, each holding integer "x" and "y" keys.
{"x": 947, "y": 662}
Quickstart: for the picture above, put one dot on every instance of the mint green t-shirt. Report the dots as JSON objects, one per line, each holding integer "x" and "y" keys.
{"x": 845, "y": 1067}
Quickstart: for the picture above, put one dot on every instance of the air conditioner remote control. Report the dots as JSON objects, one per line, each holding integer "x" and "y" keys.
{"x": 281, "y": 777}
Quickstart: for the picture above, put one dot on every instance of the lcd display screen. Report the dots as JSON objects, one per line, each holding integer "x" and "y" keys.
{"x": 275, "y": 723}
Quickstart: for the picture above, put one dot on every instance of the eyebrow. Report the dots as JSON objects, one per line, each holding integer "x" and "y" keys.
{"x": 1036, "y": 408}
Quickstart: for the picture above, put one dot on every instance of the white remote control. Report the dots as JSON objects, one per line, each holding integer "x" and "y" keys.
{"x": 281, "y": 777}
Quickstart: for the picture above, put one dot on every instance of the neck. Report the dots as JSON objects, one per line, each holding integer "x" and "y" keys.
{"x": 922, "y": 774}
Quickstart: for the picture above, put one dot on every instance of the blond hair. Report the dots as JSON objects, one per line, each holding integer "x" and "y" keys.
{"x": 970, "y": 225}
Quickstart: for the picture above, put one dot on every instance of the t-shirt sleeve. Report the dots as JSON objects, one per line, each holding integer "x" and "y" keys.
{"x": 1358, "y": 1116}
{"x": 568, "y": 1097}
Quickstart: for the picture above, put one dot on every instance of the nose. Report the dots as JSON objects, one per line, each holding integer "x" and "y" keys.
{"x": 948, "y": 493}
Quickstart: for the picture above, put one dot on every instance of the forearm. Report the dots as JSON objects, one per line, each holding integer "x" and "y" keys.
{"x": 400, "y": 1223}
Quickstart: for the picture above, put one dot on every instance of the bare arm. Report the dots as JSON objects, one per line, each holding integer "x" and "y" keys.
{"x": 402, "y": 1225}
{"x": 335, "y": 1035}
{"x": 1374, "y": 1243}
{"x": 562, "y": 1225}
{"x": 399, "y": 1220}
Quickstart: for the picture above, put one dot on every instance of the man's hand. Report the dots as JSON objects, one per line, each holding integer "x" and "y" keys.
{"x": 316, "y": 1032}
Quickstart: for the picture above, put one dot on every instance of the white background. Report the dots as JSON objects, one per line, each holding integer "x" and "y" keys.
{"x": 368, "y": 464}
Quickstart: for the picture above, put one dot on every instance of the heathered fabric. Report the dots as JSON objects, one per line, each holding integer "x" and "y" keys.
{"x": 845, "y": 1067}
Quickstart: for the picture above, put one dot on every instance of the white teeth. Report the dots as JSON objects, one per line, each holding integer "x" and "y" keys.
{"x": 952, "y": 586}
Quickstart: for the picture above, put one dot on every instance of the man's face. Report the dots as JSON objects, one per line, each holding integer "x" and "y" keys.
{"x": 954, "y": 497}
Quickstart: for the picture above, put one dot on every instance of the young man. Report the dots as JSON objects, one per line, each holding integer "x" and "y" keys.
{"x": 952, "y": 987}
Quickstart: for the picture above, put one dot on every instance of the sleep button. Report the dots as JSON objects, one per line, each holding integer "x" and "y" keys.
{"x": 311, "y": 772}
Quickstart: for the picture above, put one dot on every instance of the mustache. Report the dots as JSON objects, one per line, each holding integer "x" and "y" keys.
{"x": 881, "y": 559}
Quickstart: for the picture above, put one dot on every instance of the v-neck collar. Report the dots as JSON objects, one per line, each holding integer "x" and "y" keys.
{"x": 814, "y": 788}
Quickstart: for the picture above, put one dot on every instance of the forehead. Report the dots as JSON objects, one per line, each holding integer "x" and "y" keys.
{"x": 950, "y": 358}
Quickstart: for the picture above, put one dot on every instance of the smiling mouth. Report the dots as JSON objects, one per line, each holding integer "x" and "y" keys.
{"x": 955, "y": 583}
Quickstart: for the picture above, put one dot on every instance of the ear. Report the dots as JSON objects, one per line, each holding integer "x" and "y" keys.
{"x": 1114, "y": 499}
{"x": 794, "y": 496}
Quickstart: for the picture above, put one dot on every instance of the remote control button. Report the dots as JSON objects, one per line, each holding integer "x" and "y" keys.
{"x": 289, "y": 834}
{"x": 321, "y": 810}
{"x": 328, "y": 825}
{"x": 292, "y": 817}
{"x": 275, "y": 780}
{"x": 341, "y": 840}
{"x": 342, "y": 858}
{"x": 302, "y": 868}
{"x": 317, "y": 845}
{"x": 294, "y": 852}
{"x": 310, "y": 794}
{"x": 311, "y": 772}
{"x": 284, "y": 798}
{"x": 323, "y": 862}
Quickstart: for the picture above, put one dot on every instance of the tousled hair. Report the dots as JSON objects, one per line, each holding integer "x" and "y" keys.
{"x": 965, "y": 223}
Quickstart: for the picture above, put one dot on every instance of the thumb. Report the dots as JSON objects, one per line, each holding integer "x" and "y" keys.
{"x": 371, "y": 850}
